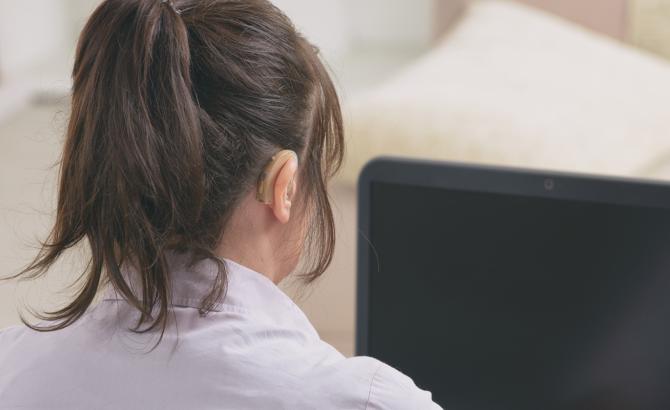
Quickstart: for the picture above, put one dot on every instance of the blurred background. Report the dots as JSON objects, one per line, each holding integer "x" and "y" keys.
{"x": 556, "y": 84}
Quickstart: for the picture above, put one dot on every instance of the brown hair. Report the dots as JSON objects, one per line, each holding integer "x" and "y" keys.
{"x": 176, "y": 108}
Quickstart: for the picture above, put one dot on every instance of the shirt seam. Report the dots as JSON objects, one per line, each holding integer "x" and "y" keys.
{"x": 372, "y": 383}
{"x": 190, "y": 303}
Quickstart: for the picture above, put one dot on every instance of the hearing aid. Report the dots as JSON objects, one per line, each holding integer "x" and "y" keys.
{"x": 264, "y": 191}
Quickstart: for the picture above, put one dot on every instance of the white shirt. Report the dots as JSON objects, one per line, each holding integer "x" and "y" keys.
{"x": 256, "y": 350}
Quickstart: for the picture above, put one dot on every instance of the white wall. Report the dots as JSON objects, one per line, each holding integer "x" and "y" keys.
{"x": 384, "y": 24}
{"x": 29, "y": 35}
{"x": 323, "y": 22}
{"x": 340, "y": 26}
{"x": 33, "y": 36}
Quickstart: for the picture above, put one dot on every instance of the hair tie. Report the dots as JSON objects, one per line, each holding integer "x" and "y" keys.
{"x": 171, "y": 4}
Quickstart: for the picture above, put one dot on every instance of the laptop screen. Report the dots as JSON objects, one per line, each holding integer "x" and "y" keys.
{"x": 498, "y": 301}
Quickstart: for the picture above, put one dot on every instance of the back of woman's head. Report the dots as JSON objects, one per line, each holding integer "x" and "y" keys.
{"x": 176, "y": 108}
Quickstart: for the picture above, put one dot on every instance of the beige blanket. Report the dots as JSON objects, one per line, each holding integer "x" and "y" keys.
{"x": 514, "y": 86}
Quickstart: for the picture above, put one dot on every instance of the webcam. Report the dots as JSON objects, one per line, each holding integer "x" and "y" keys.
{"x": 549, "y": 184}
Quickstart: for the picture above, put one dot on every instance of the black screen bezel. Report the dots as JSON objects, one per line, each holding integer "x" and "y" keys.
{"x": 490, "y": 179}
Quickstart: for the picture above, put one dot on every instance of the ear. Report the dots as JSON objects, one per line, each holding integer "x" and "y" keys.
{"x": 284, "y": 190}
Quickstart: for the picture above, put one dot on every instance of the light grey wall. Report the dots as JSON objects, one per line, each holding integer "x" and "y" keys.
{"x": 29, "y": 35}
{"x": 46, "y": 30}
{"x": 343, "y": 26}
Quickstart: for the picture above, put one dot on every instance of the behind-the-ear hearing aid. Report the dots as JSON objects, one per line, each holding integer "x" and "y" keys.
{"x": 265, "y": 189}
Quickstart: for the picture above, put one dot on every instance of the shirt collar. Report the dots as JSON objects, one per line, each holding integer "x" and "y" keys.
{"x": 246, "y": 288}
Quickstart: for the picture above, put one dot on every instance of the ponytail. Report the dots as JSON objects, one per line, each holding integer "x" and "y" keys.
{"x": 132, "y": 168}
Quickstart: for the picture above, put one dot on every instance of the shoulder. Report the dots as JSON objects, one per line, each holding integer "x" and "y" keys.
{"x": 10, "y": 335}
{"x": 21, "y": 344}
{"x": 12, "y": 345}
{"x": 15, "y": 341}
{"x": 370, "y": 384}
{"x": 391, "y": 389}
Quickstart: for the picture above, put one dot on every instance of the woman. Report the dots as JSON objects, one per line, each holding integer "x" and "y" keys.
{"x": 201, "y": 138}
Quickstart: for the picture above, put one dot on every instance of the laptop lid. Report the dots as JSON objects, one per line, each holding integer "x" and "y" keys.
{"x": 501, "y": 288}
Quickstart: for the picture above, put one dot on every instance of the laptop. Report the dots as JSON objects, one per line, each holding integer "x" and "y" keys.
{"x": 499, "y": 288}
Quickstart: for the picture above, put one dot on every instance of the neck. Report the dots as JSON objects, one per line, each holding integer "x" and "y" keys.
{"x": 250, "y": 239}
{"x": 258, "y": 258}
